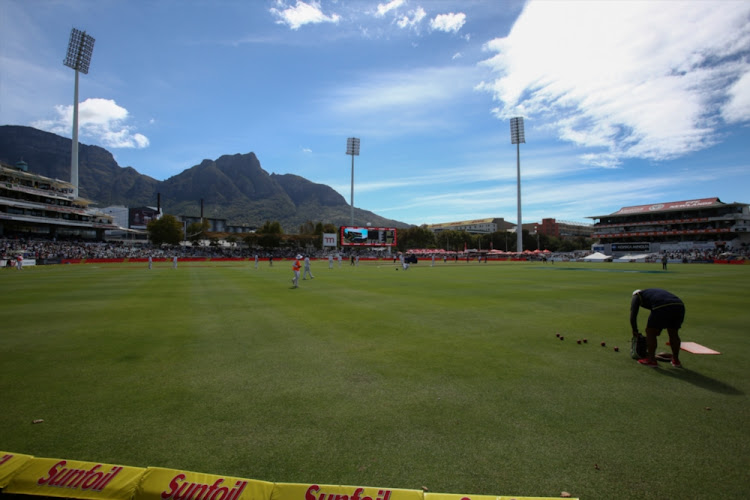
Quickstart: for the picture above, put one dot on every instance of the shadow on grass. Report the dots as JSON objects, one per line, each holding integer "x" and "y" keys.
{"x": 702, "y": 381}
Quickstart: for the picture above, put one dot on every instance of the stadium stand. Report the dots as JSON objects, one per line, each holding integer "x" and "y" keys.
{"x": 704, "y": 226}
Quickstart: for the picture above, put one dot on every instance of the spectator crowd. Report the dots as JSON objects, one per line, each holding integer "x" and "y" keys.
{"x": 41, "y": 249}
{"x": 70, "y": 249}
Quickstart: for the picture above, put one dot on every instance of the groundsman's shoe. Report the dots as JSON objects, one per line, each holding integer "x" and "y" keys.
{"x": 676, "y": 363}
{"x": 648, "y": 362}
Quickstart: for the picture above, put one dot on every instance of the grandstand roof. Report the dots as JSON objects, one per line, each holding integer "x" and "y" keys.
{"x": 16, "y": 172}
{"x": 670, "y": 206}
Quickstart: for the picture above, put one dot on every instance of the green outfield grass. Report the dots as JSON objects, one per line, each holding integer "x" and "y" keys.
{"x": 448, "y": 377}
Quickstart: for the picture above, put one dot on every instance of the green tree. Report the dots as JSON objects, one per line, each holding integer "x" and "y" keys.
{"x": 503, "y": 240}
{"x": 251, "y": 240}
{"x": 167, "y": 229}
{"x": 306, "y": 241}
{"x": 269, "y": 240}
{"x": 451, "y": 240}
{"x": 317, "y": 229}
{"x": 415, "y": 237}
{"x": 529, "y": 240}
{"x": 495, "y": 241}
{"x": 270, "y": 228}
{"x": 307, "y": 228}
{"x": 583, "y": 243}
{"x": 482, "y": 241}
{"x": 197, "y": 230}
{"x": 269, "y": 236}
{"x": 551, "y": 243}
{"x": 567, "y": 245}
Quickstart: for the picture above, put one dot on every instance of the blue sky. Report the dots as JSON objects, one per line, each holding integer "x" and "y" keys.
{"x": 625, "y": 103}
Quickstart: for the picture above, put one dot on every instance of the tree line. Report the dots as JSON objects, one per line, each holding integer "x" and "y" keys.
{"x": 270, "y": 236}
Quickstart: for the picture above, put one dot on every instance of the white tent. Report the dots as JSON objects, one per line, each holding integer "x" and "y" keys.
{"x": 597, "y": 257}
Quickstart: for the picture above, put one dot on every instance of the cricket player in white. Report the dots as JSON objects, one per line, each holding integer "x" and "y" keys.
{"x": 307, "y": 269}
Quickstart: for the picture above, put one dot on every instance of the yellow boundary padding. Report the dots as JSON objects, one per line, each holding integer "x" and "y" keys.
{"x": 51, "y": 477}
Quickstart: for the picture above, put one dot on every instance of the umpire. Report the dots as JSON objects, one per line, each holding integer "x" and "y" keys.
{"x": 667, "y": 311}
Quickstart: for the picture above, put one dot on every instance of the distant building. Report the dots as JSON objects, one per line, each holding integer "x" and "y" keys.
{"x": 692, "y": 224}
{"x": 549, "y": 227}
{"x": 132, "y": 222}
{"x": 214, "y": 225}
{"x": 476, "y": 226}
{"x": 120, "y": 217}
{"x": 240, "y": 229}
{"x": 564, "y": 229}
{"x": 139, "y": 217}
{"x": 119, "y": 214}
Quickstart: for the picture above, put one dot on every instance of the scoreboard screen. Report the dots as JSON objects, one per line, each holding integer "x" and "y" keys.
{"x": 368, "y": 236}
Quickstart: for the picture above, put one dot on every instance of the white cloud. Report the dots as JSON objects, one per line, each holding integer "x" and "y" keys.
{"x": 737, "y": 108}
{"x": 412, "y": 19}
{"x": 402, "y": 101}
{"x": 384, "y": 8}
{"x": 409, "y": 20}
{"x": 450, "y": 23}
{"x": 500, "y": 199}
{"x": 629, "y": 79}
{"x": 302, "y": 13}
{"x": 100, "y": 119}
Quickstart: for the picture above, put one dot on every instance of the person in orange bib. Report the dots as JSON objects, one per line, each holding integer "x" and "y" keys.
{"x": 296, "y": 267}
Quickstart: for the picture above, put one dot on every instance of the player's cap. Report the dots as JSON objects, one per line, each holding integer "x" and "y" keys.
{"x": 636, "y": 292}
{"x": 299, "y": 256}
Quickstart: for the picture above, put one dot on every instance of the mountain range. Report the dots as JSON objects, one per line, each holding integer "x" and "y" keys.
{"x": 232, "y": 187}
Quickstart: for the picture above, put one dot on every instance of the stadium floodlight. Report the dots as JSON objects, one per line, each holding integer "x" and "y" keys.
{"x": 80, "y": 48}
{"x": 517, "y": 137}
{"x": 352, "y": 148}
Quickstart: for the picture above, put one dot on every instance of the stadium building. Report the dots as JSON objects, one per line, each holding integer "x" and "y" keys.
{"x": 551, "y": 227}
{"x": 476, "y": 226}
{"x": 702, "y": 224}
{"x": 564, "y": 229}
{"x": 35, "y": 206}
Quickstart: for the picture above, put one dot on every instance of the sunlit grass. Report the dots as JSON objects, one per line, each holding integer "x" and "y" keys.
{"x": 449, "y": 377}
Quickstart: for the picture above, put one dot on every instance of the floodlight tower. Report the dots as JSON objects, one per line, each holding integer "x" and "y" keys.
{"x": 517, "y": 137}
{"x": 80, "y": 48}
{"x": 352, "y": 148}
